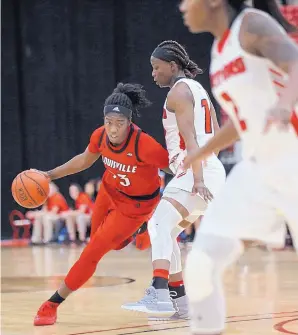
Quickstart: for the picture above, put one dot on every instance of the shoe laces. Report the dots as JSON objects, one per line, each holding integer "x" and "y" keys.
{"x": 150, "y": 295}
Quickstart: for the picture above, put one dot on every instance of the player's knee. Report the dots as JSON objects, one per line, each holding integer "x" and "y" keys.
{"x": 209, "y": 257}
{"x": 160, "y": 226}
{"x": 164, "y": 219}
{"x": 192, "y": 217}
{"x": 222, "y": 250}
{"x": 97, "y": 248}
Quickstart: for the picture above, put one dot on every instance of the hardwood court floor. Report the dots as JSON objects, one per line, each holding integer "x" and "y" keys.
{"x": 262, "y": 291}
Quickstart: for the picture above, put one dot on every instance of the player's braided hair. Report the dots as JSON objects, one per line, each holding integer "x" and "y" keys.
{"x": 131, "y": 96}
{"x": 190, "y": 68}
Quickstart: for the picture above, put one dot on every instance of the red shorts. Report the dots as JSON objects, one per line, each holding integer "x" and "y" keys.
{"x": 118, "y": 211}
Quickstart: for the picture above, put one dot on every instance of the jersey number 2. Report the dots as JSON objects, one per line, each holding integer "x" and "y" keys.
{"x": 228, "y": 99}
{"x": 124, "y": 180}
{"x": 208, "y": 120}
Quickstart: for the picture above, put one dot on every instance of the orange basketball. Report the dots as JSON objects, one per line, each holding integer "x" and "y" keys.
{"x": 30, "y": 189}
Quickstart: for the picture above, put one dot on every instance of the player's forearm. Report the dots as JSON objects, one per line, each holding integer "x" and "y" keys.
{"x": 192, "y": 145}
{"x": 75, "y": 165}
{"x": 225, "y": 137}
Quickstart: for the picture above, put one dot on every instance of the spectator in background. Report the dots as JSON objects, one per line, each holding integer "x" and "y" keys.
{"x": 89, "y": 189}
{"x": 79, "y": 218}
{"x": 92, "y": 187}
{"x": 48, "y": 221}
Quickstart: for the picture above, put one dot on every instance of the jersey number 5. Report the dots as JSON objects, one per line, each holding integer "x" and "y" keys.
{"x": 208, "y": 119}
{"x": 124, "y": 180}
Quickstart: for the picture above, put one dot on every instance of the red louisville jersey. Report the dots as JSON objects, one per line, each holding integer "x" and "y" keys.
{"x": 132, "y": 167}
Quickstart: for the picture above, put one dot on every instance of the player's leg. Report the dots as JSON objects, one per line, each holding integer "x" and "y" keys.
{"x": 108, "y": 235}
{"x": 175, "y": 205}
{"x": 47, "y": 313}
{"x": 214, "y": 179}
{"x": 243, "y": 210}
{"x": 194, "y": 207}
{"x": 176, "y": 282}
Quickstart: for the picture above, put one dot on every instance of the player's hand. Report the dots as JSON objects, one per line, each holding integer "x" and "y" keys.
{"x": 194, "y": 155}
{"x": 200, "y": 187}
{"x": 143, "y": 238}
{"x": 46, "y": 174}
{"x": 279, "y": 116}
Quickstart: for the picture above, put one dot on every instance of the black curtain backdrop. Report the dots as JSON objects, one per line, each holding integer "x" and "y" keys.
{"x": 60, "y": 60}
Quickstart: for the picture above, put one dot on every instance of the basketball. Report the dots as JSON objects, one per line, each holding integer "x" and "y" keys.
{"x": 30, "y": 189}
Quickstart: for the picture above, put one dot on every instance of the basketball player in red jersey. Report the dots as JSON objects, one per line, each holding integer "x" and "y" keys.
{"x": 254, "y": 77}
{"x": 129, "y": 190}
{"x": 189, "y": 121}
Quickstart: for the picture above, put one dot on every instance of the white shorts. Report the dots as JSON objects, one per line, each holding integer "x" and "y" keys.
{"x": 180, "y": 188}
{"x": 214, "y": 177}
{"x": 248, "y": 208}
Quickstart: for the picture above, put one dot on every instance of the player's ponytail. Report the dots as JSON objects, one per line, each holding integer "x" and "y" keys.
{"x": 169, "y": 51}
{"x": 191, "y": 69}
{"x": 130, "y": 96}
{"x": 135, "y": 93}
{"x": 271, "y": 7}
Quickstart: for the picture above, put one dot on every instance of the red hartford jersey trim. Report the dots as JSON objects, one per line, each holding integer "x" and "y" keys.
{"x": 236, "y": 66}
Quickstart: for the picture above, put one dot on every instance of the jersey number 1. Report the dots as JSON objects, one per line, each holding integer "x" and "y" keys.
{"x": 208, "y": 119}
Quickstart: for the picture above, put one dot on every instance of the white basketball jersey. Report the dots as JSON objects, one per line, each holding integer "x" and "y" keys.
{"x": 247, "y": 86}
{"x": 202, "y": 120}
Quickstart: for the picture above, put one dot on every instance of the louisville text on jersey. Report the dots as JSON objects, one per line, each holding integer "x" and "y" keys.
{"x": 119, "y": 166}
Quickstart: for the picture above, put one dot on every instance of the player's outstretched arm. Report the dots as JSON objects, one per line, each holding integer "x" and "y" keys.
{"x": 77, "y": 164}
{"x": 225, "y": 137}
